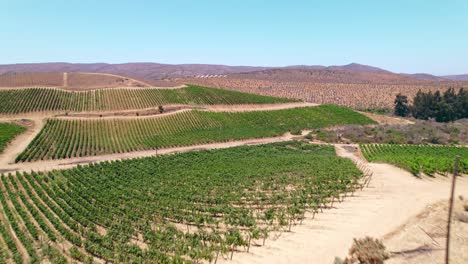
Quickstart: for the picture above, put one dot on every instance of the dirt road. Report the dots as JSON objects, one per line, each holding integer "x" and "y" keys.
{"x": 394, "y": 195}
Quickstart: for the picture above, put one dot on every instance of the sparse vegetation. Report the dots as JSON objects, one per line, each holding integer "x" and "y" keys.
{"x": 420, "y": 133}
{"x": 49, "y": 79}
{"x": 325, "y": 87}
{"x": 366, "y": 251}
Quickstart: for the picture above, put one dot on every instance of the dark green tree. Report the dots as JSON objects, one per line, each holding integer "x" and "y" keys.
{"x": 461, "y": 104}
{"x": 443, "y": 108}
{"x": 402, "y": 107}
{"x": 422, "y": 105}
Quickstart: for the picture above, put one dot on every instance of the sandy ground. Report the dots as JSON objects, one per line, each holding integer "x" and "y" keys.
{"x": 393, "y": 196}
{"x": 387, "y": 120}
{"x": 422, "y": 240}
{"x": 148, "y": 112}
{"x": 172, "y": 109}
{"x": 255, "y": 107}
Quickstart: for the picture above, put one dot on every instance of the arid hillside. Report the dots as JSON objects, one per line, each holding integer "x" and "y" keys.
{"x": 48, "y": 79}
{"x": 146, "y": 71}
{"x": 356, "y": 89}
{"x": 157, "y": 71}
{"x": 72, "y": 81}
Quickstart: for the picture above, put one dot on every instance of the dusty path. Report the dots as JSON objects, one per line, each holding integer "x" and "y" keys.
{"x": 393, "y": 196}
{"x": 65, "y": 79}
{"x": 149, "y": 112}
{"x": 20, "y": 143}
{"x": 177, "y": 108}
{"x": 387, "y": 120}
{"x": 255, "y": 107}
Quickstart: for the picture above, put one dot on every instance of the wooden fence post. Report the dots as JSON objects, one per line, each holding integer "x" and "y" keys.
{"x": 449, "y": 222}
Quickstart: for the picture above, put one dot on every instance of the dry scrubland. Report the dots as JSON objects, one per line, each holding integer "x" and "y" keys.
{"x": 352, "y": 89}
{"x": 72, "y": 80}
{"x": 10, "y": 80}
{"x": 88, "y": 81}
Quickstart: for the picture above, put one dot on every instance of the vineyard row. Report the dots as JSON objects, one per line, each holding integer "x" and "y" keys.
{"x": 46, "y": 99}
{"x": 77, "y": 138}
{"x": 181, "y": 208}
{"x": 418, "y": 158}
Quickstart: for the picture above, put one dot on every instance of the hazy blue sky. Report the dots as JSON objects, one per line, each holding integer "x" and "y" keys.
{"x": 398, "y": 35}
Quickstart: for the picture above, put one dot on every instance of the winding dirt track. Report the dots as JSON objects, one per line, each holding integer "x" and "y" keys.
{"x": 393, "y": 196}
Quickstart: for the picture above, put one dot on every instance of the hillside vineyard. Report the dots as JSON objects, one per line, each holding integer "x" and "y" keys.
{"x": 77, "y": 138}
{"x": 418, "y": 158}
{"x": 57, "y": 100}
{"x": 192, "y": 206}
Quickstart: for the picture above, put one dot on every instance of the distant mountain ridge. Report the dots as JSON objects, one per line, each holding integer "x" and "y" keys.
{"x": 146, "y": 71}
{"x": 460, "y": 77}
{"x": 158, "y": 71}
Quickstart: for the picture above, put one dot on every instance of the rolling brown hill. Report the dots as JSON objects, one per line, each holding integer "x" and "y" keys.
{"x": 353, "y": 85}
{"x": 157, "y": 71}
{"x": 46, "y": 79}
{"x": 362, "y": 90}
{"x": 142, "y": 71}
{"x": 460, "y": 77}
{"x": 72, "y": 80}
{"x": 329, "y": 74}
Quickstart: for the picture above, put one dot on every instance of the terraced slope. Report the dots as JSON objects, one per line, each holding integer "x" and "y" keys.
{"x": 170, "y": 209}
{"x": 56, "y": 100}
{"x": 418, "y": 158}
{"x": 77, "y": 138}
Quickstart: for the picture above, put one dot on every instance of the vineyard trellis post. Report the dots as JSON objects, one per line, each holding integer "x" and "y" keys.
{"x": 449, "y": 221}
